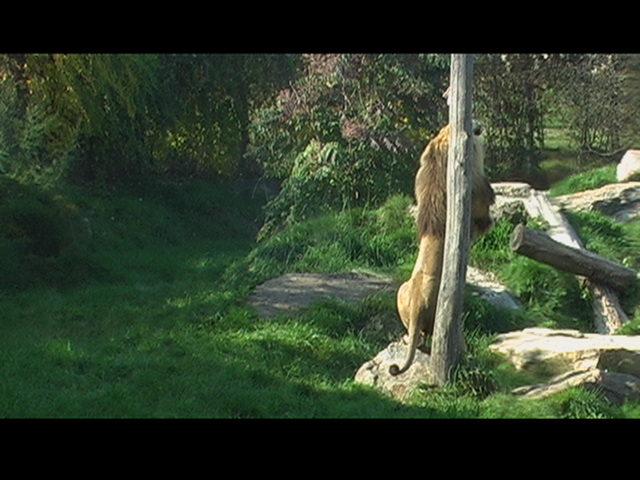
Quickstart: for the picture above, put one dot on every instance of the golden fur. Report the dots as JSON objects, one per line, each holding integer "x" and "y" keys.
{"x": 417, "y": 297}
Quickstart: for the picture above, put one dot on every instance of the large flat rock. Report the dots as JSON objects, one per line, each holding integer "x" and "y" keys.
{"x": 290, "y": 292}
{"x": 608, "y": 363}
{"x": 293, "y": 291}
{"x": 579, "y": 350}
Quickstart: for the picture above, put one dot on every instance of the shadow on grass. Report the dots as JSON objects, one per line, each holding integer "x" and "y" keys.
{"x": 113, "y": 353}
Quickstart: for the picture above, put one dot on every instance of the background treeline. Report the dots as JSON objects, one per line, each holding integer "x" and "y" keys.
{"x": 337, "y": 130}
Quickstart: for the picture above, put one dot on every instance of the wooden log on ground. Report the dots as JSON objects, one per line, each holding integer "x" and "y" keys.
{"x": 541, "y": 247}
{"x": 609, "y": 315}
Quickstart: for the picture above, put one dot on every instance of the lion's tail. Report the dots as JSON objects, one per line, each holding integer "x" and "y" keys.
{"x": 414, "y": 336}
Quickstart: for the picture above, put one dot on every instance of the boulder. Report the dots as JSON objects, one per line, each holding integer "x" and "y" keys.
{"x": 621, "y": 201}
{"x": 293, "y": 291}
{"x": 375, "y": 372}
{"x": 616, "y": 387}
{"x": 489, "y": 288}
{"x": 512, "y": 189}
{"x": 610, "y": 363}
{"x": 629, "y": 166}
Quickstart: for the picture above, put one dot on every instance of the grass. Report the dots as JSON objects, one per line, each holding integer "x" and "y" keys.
{"x": 159, "y": 326}
{"x": 552, "y": 298}
{"x": 587, "y": 180}
{"x": 565, "y": 172}
{"x": 153, "y": 323}
{"x": 381, "y": 240}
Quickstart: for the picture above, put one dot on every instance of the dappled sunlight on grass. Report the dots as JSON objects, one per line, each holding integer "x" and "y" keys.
{"x": 163, "y": 329}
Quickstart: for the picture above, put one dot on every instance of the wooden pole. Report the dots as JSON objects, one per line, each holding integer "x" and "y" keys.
{"x": 448, "y": 341}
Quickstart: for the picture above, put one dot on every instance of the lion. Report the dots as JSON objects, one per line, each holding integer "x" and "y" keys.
{"x": 418, "y": 296}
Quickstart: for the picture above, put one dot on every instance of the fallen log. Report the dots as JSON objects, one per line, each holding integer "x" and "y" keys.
{"x": 608, "y": 314}
{"x": 539, "y": 246}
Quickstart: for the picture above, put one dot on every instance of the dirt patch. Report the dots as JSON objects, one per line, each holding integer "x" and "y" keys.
{"x": 293, "y": 291}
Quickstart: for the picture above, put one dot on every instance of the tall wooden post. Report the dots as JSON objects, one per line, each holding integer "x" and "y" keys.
{"x": 448, "y": 340}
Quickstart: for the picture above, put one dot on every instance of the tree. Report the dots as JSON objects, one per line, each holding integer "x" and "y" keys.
{"x": 210, "y": 99}
{"x": 348, "y": 130}
{"x": 38, "y": 130}
{"x": 78, "y": 112}
{"x": 120, "y": 117}
{"x": 509, "y": 90}
{"x": 588, "y": 96}
{"x": 116, "y": 96}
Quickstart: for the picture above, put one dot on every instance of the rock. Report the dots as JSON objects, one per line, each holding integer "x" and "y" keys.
{"x": 512, "y": 209}
{"x": 512, "y": 189}
{"x": 290, "y": 292}
{"x": 572, "y": 348}
{"x": 616, "y": 387}
{"x": 621, "y": 201}
{"x": 375, "y": 372}
{"x": 608, "y": 362}
{"x": 293, "y": 291}
{"x": 629, "y": 166}
{"x": 491, "y": 290}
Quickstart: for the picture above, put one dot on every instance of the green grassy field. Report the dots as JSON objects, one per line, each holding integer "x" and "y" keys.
{"x": 145, "y": 316}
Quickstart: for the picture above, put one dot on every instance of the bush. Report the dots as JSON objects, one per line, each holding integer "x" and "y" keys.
{"x": 348, "y": 132}
{"x": 43, "y": 238}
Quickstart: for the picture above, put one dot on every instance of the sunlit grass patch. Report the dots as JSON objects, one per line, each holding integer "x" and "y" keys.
{"x": 587, "y": 180}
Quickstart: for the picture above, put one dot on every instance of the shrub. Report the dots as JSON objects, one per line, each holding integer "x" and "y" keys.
{"x": 43, "y": 238}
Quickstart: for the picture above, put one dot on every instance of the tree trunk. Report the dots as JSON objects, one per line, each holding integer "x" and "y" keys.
{"x": 539, "y": 246}
{"x": 448, "y": 341}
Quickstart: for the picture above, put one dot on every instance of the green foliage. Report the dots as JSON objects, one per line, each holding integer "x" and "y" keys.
{"x": 115, "y": 97}
{"x": 118, "y": 117}
{"x": 348, "y": 132}
{"x": 581, "y": 403}
{"x": 87, "y": 113}
{"x": 508, "y": 102}
{"x": 57, "y": 238}
{"x": 474, "y": 377}
{"x": 36, "y": 139}
{"x": 552, "y": 295}
{"x": 43, "y": 238}
{"x": 312, "y": 187}
{"x": 632, "y": 327}
{"x": 381, "y": 238}
{"x": 603, "y": 235}
{"x": 207, "y": 102}
{"x": 482, "y": 317}
{"x": 492, "y": 250}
